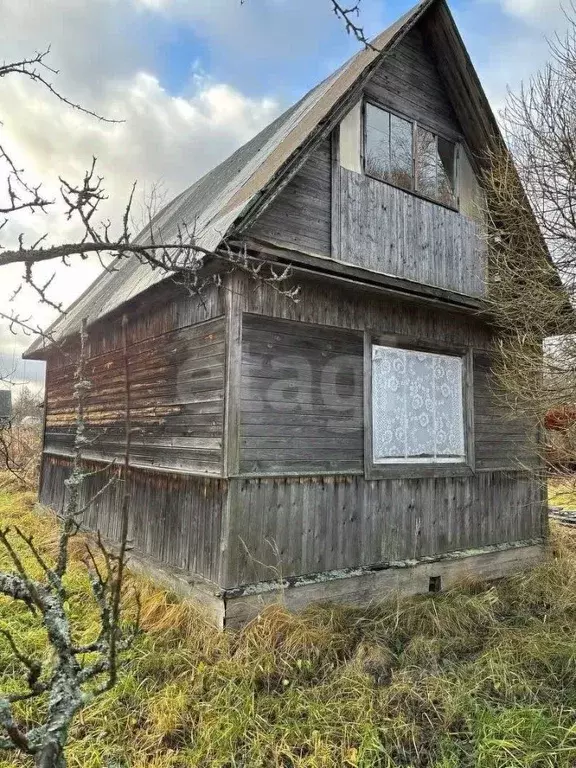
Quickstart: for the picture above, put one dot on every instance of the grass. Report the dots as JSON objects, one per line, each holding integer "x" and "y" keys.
{"x": 562, "y": 492}
{"x": 483, "y": 677}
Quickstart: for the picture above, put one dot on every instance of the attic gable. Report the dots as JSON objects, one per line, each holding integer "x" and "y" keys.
{"x": 409, "y": 82}
{"x": 426, "y": 75}
{"x": 223, "y": 203}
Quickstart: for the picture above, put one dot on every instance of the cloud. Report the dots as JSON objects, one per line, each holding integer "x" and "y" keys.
{"x": 534, "y": 10}
{"x": 163, "y": 136}
{"x": 287, "y": 45}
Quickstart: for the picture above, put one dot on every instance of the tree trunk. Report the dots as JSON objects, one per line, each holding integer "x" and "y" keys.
{"x": 51, "y": 755}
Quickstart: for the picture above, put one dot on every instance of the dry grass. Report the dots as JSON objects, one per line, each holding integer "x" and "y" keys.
{"x": 20, "y": 452}
{"x": 483, "y": 677}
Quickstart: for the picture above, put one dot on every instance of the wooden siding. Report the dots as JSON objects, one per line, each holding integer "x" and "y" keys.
{"x": 387, "y": 230}
{"x": 502, "y": 440}
{"x": 174, "y": 519}
{"x": 408, "y": 81}
{"x": 300, "y": 217}
{"x": 302, "y": 408}
{"x": 324, "y": 302}
{"x": 294, "y": 526}
{"x": 369, "y": 223}
{"x": 177, "y": 389}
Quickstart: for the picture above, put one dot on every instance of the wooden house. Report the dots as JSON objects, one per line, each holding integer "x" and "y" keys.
{"x": 347, "y": 444}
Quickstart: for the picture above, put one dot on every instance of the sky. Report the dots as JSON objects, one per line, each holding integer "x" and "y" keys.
{"x": 191, "y": 80}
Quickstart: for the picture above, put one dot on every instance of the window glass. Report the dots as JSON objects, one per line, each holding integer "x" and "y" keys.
{"x": 401, "y": 167}
{"x": 377, "y": 149}
{"x": 377, "y": 118}
{"x": 435, "y": 166}
{"x": 388, "y": 147}
{"x": 426, "y": 163}
{"x": 417, "y": 407}
{"x": 396, "y": 151}
{"x": 446, "y": 171}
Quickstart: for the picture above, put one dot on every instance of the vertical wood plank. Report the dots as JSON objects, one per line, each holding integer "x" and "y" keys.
{"x": 387, "y": 230}
{"x": 234, "y": 294}
{"x": 335, "y": 196}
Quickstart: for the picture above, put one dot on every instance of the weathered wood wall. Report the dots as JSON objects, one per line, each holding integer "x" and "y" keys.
{"x": 301, "y": 503}
{"x": 175, "y": 519}
{"x": 302, "y": 398}
{"x": 408, "y": 81}
{"x": 501, "y": 440}
{"x": 325, "y": 302}
{"x": 297, "y": 526}
{"x": 176, "y": 366}
{"x": 301, "y": 406}
{"x": 342, "y": 309}
{"x": 300, "y": 217}
{"x": 387, "y": 230}
{"x": 372, "y": 224}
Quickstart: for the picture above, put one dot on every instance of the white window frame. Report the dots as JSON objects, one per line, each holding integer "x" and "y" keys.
{"x": 418, "y": 466}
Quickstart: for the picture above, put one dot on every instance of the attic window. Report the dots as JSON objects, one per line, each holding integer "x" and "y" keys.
{"x": 388, "y": 148}
{"x": 435, "y": 166}
{"x": 405, "y": 154}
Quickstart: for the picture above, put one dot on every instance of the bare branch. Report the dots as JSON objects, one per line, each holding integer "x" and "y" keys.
{"x": 348, "y": 15}
{"x": 34, "y": 68}
{"x": 68, "y": 675}
{"x": 34, "y": 671}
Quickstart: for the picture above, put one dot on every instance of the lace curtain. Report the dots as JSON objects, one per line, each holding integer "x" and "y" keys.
{"x": 417, "y": 406}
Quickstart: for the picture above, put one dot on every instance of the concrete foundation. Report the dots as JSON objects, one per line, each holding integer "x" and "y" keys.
{"x": 234, "y": 608}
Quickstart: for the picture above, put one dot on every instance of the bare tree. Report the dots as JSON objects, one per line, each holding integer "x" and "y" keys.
{"x": 531, "y": 223}
{"x": 181, "y": 255}
{"x": 77, "y": 673}
{"x": 70, "y": 682}
{"x": 26, "y": 404}
{"x": 20, "y": 450}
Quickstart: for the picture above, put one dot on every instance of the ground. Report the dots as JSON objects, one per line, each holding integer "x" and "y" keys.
{"x": 483, "y": 677}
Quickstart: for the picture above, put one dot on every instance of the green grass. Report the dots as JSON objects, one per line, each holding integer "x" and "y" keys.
{"x": 562, "y": 493}
{"x": 483, "y": 677}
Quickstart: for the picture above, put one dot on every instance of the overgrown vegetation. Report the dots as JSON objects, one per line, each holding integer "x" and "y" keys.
{"x": 530, "y": 195}
{"x": 483, "y": 677}
{"x": 20, "y": 454}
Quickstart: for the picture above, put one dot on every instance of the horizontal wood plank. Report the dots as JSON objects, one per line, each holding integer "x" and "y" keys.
{"x": 176, "y": 392}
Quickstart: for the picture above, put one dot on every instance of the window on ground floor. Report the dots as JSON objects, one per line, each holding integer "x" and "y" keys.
{"x": 417, "y": 407}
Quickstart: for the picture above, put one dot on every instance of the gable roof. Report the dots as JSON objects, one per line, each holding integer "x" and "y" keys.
{"x": 231, "y": 195}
